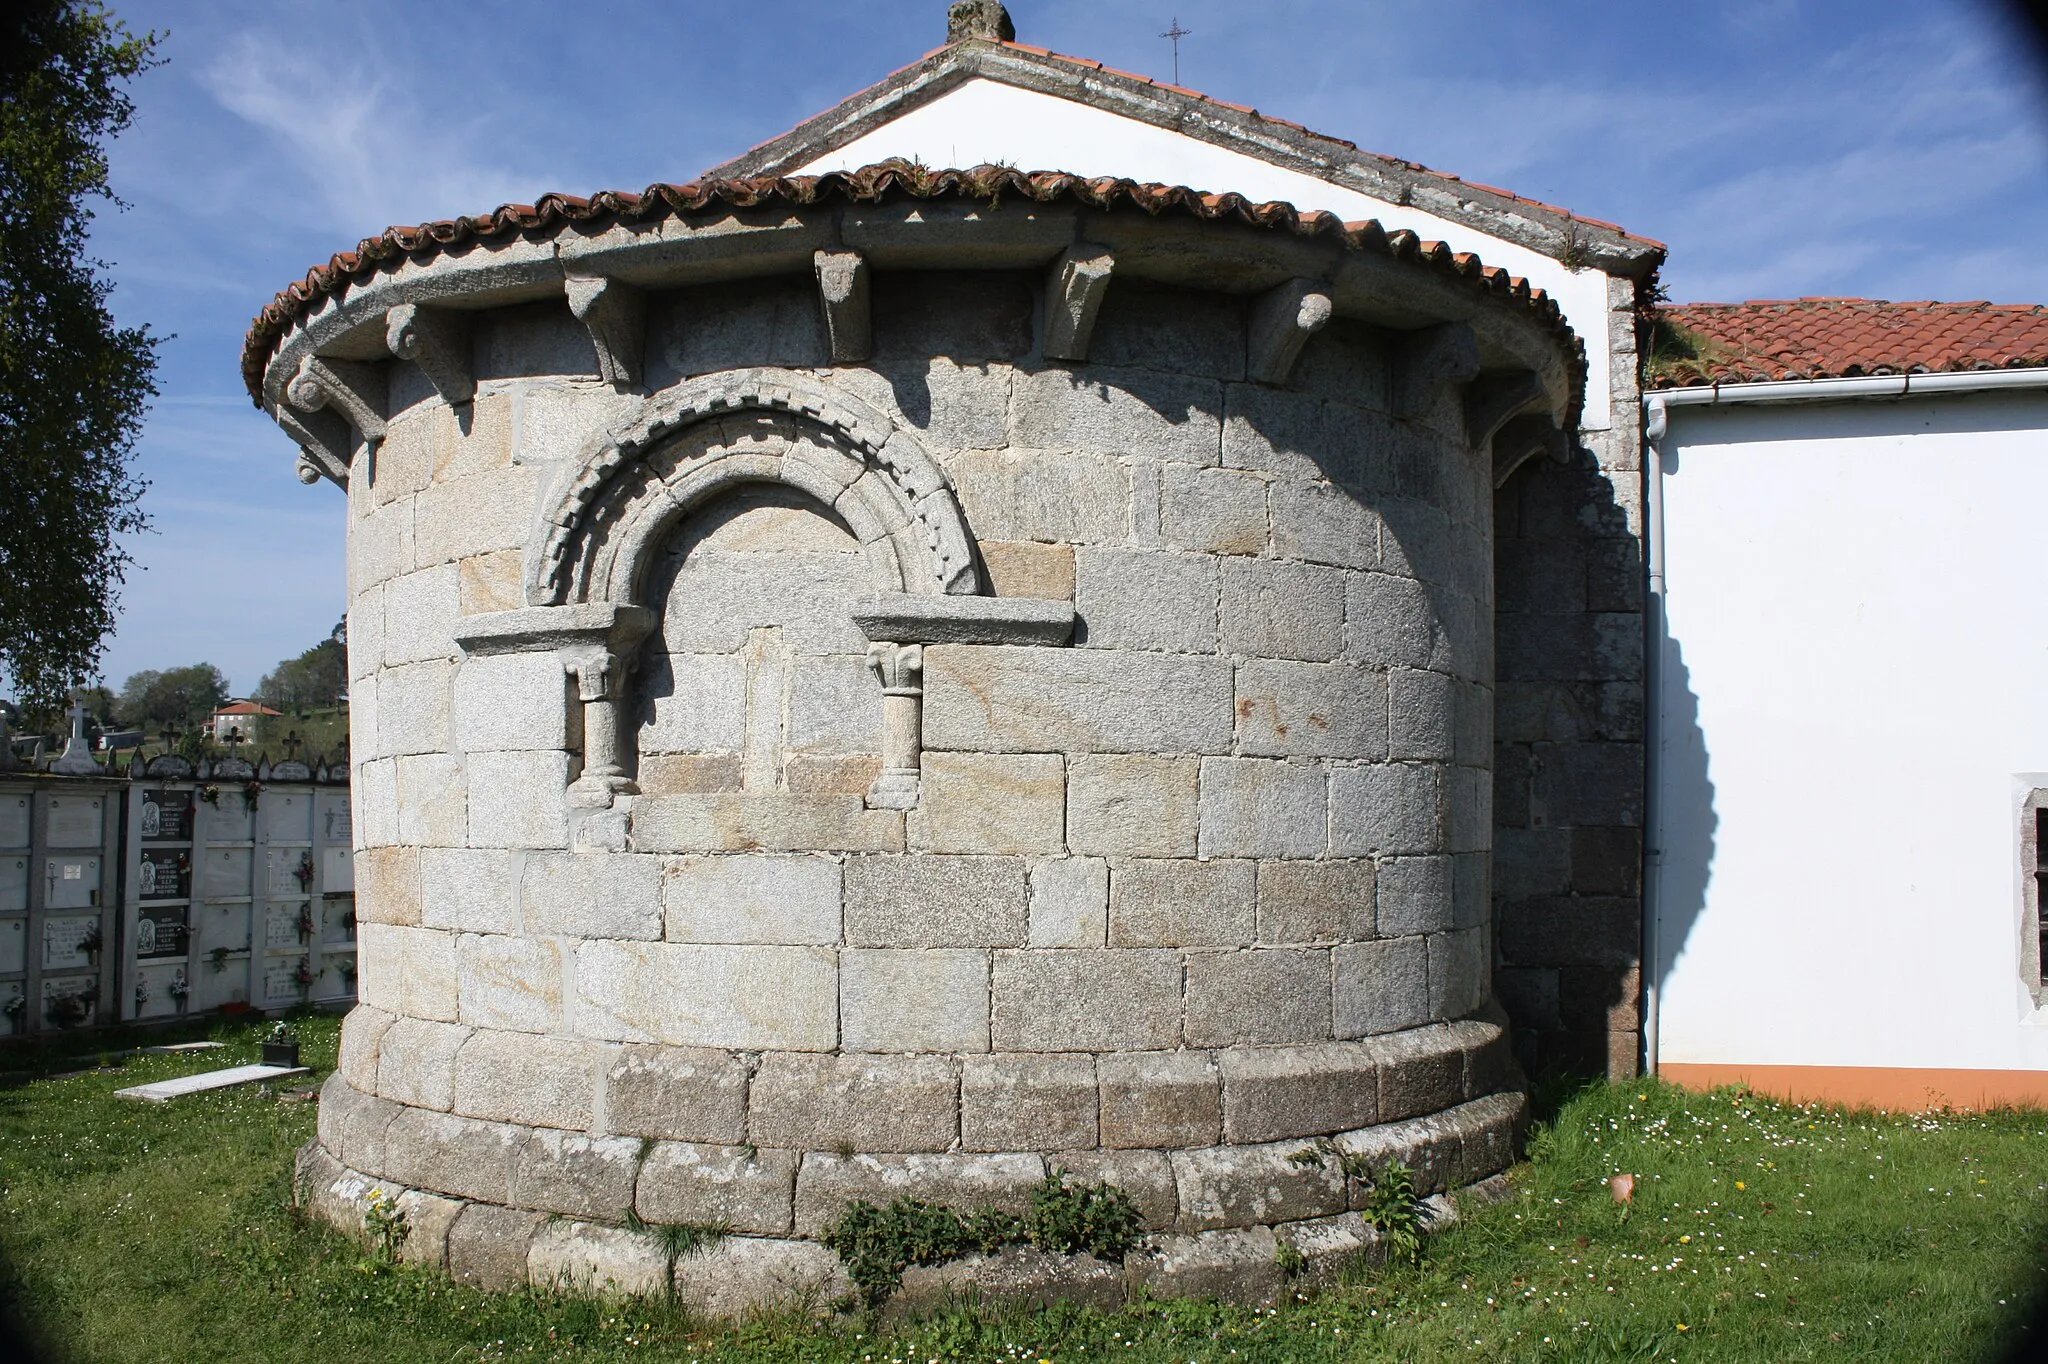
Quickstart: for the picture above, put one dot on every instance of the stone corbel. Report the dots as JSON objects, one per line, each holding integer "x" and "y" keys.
{"x": 1074, "y": 289}
{"x": 1434, "y": 357}
{"x": 438, "y": 341}
{"x": 1281, "y": 322}
{"x": 595, "y": 642}
{"x": 352, "y": 389}
{"x": 615, "y": 315}
{"x": 1522, "y": 439}
{"x": 323, "y": 441}
{"x": 900, "y": 670}
{"x": 1495, "y": 399}
{"x": 843, "y": 289}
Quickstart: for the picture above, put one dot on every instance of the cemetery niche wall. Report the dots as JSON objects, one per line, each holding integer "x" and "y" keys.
{"x": 893, "y": 684}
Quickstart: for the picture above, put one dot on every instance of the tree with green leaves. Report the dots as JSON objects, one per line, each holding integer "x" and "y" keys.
{"x": 74, "y": 385}
{"x": 185, "y": 697}
{"x": 317, "y": 677}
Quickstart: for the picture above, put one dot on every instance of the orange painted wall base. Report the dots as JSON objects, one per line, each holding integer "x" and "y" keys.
{"x": 1899, "y": 1090}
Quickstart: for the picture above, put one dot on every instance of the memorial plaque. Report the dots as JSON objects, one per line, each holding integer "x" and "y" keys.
{"x": 70, "y": 1001}
{"x": 14, "y": 821}
{"x": 221, "y": 926}
{"x": 163, "y": 874}
{"x": 65, "y": 940}
{"x": 166, "y": 816}
{"x": 289, "y": 872}
{"x": 338, "y": 919}
{"x": 281, "y": 926}
{"x": 337, "y": 869}
{"x": 224, "y": 872}
{"x": 13, "y": 884}
{"x": 71, "y": 882}
{"x": 11, "y": 1018}
{"x": 334, "y": 820}
{"x": 281, "y": 979}
{"x": 75, "y": 821}
{"x": 160, "y": 933}
{"x": 13, "y": 946}
{"x": 228, "y": 818}
{"x": 288, "y": 816}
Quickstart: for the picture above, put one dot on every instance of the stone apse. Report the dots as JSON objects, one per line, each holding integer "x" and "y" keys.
{"x": 891, "y": 684}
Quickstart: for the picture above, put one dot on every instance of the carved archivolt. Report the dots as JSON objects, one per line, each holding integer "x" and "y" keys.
{"x": 703, "y": 437}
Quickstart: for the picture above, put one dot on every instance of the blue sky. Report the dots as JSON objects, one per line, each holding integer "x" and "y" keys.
{"x": 1781, "y": 147}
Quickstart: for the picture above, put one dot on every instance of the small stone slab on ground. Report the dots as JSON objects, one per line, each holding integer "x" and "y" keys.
{"x": 179, "y": 1048}
{"x": 164, "y": 1090}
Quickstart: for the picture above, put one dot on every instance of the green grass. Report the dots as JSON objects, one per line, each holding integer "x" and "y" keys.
{"x": 1758, "y": 1232}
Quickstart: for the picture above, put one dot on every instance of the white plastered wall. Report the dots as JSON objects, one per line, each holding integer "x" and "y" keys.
{"x": 985, "y": 122}
{"x": 1855, "y": 689}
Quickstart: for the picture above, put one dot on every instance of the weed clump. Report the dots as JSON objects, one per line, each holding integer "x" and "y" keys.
{"x": 877, "y": 1244}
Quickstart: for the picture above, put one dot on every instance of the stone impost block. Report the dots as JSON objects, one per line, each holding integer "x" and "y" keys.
{"x": 692, "y": 1094}
{"x": 488, "y": 1245}
{"x": 692, "y": 995}
{"x": 597, "y": 1261}
{"x": 475, "y": 890}
{"x": 990, "y": 803}
{"x": 511, "y": 701}
{"x": 827, "y": 1183}
{"x": 593, "y": 895}
{"x": 1016, "y": 699}
{"x": 1026, "y": 1103}
{"x": 433, "y": 800}
{"x": 1421, "y": 715}
{"x": 753, "y": 898}
{"x": 1133, "y": 805}
{"x": 538, "y": 1081}
{"x": 1070, "y": 902}
{"x": 1083, "y": 1000}
{"x": 1214, "y": 511}
{"x": 419, "y": 615}
{"x": 1261, "y": 995}
{"x": 1019, "y": 568}
{"x": 1386, "y": 808}
{"x": 866, "y": 1103}
{"x": 1147, "y": 599}
{"x": 1261, "y": 807}
{"x": 936, "y": 901}
{"x": 914, "y": 999}
{"x": 361, "y": 1033}
{"x": 1389, "y": 620}
{"x": 1323, "y": 524}
{"x": 742, "y": 1276}
{"x": 413, "y": 710}
{"x": 1317, "y": 710}
{"x": 461, "y": 1157}
{"x": 746, "y": 1189}
{"x": 764, "y": 821}
{"x": 1275, "y": 609}
{"x": 1415, "y": 895}
{"x": 1273, "y": 1093}
{"x": 1169, "y": 417}
{"x": 515, "y": 801}
{"x": 510, "y": 983}
{"x": 1173, "y": 902}
{"x": 1421, "y": 1070}
{"x": 1147, "y": 1176}
{"x": 575, "y": 1175}
{"x": 1237, "y": 1267}
{"x": 1160, "y": 1099}
{"x": 1380, "y": 986}
{"x": 1246, "y": 1186}
{"x": 1302, "y": 902}
{"x": 1457, "y": 972}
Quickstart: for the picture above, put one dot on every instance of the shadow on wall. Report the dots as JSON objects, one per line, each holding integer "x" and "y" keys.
{"x": 1687, "y": 819}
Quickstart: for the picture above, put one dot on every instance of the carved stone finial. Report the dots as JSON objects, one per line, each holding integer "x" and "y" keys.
{"x": 979, "y": 19}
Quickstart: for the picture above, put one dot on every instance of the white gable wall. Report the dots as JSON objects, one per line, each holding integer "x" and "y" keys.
{"x": 984, "y": 121}
{"x": 1855, "y": 685}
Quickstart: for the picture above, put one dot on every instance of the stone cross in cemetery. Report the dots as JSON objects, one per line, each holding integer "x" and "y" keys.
{"x": 76, "y": 760}
{"x": 897, "y": 684}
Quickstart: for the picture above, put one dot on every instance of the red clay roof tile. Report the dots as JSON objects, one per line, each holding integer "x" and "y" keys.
{"x": 1822, "y": 338}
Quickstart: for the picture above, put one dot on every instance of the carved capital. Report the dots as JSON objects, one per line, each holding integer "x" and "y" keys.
{"x": 615, "y": 315}
{"x": 1432, "y": 358}
{"x": 898, "y": 667}
{"x": 843, "y": 289}
{"x": 352, "y": 389}
{"x": 438, "y": 341}
{"x": 1281, "y": 322}
{"x": 1074, "y": 289}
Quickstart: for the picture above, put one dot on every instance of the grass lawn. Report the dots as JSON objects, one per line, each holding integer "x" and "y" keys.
{"x": 1759, "y": 1231}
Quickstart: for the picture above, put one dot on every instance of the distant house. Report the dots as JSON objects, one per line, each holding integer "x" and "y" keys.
{"x": 240, "y": 722}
